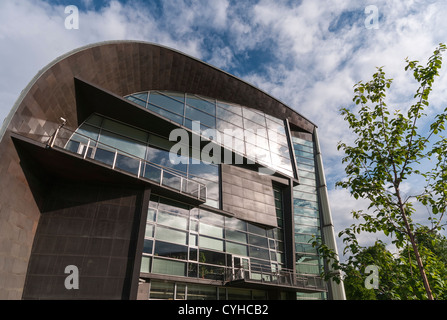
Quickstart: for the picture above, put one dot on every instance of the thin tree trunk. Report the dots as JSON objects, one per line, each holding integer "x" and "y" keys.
{"x": 415, "y": 248}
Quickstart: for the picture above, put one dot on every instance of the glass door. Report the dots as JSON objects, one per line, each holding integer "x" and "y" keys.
{"x": 241, "y": 267}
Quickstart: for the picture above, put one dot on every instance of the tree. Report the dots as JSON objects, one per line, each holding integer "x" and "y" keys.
{"x": 397, "y": 273}
{"x": 387, "y": 151}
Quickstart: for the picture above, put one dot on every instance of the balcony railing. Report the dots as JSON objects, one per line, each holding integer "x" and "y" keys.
{"x": 282, "y": 278}
{"x": 119, "y": 160}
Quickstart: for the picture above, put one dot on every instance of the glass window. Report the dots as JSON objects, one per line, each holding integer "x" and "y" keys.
{"x": 306, "y": 174}
{"x": 201, "y": 104}
{"x": 180, "y": 291}
{"x": 255, "y": 229}
{"x": 254, "y": 116}
{"x": 167, "y": 114}
{"x": 236, "y": 235}
{"x": 229, "y": 117}
{"x": 149, "y": 231}
{"x": 127, "y": 164}
{"x": 306, "y": 229}
{"x": 304, "y": 195}
{"x": 161, "y": 290}
{"x": 172, "y": 220}
{"x": 305, "y": 238}
{"x": 201, "y": 292}
{"x": 275, "y": 126}
{"x": 171, "y": 235}
{"x": 209, "y": 243}
{"x": 302, "y": 166}
{"x": 205, "y": 171}
{"x": 169, "y": 250}
{"x": 122, "y": 143}
{"x": 147, "y": 247}
{"x": 173, "y": 206}
{"x": 86, "y": 131}
{"x": 307, "y": 161}
{"x": 307, "y": 221}
{"x": 236, "y": 248}
{"x": 124, "y": 130}
{"x": 94, "y": 120}
{"x": 259, "y": 253}
{"x": 307, "y": 269}
{"x": 145, "y": 264}
{"x": 137, "y": 101}
{"x": 212, "y": 231}
{"x": 231, "y": 107}
{"x": 214, "y": 218}
{"x": 196, "y": 115}
{"x": 235, "y": 224}
{"x": 171, "y": 180}
{"x": 170, "y": 267}
{"x": 212, "y": 257}
{"x": 238, "y": 294}
{"x": 105, "y": 156}
{"x": 257, "y": 241}
{"x": 161, "y": 157}
{"x": 211, "y": 272}
{"x": 305, "y": 248}
{"x": 251, "y": 129}
{"x": 166, "y": 102}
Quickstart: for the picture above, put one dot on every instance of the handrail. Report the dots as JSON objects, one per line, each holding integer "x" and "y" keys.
{"x": 124, "y": 161}
{"x": 282, "y": 277}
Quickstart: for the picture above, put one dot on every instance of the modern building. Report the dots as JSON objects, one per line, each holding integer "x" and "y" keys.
{"x": 133, "y": 171}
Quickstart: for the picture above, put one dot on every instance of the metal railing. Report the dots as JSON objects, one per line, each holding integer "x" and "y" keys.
{"x": 284, "y": 277}
{"x": 119, "y": 160}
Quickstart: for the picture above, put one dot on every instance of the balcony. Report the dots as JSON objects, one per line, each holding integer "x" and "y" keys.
{"x": 259, "y": 276}
{"x": 89, "y": 149}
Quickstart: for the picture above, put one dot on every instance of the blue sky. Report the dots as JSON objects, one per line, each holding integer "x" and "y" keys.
{"x": 306, "y": 53}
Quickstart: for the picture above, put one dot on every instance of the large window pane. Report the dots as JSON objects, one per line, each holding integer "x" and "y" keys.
{"x": 205, "y": 171}
{"x": 167, "y": 114}
{"x": 170, "y": 235}
{"x": 104, "y": 156}
{"x": 196, "y": 115}
{"x": 124, "y": 130}
{"x": 212, "y": 231}
{"x": 169, "y": 250}
{"x": 209, "y": 243}
{"x": 145, "y": 264}
{"x": 166, "y": 102}
{"x": 122, "y": 143}
{"x": 84, "y": 132}
{"x": 229, "y": 116}
{"x": 236, "y": 236}
{"x": 231, "y": 107}
{"x": 212, "y": 257}
{"x": 235, "y": 248}
{"x": 171, "y": 267}
{"x": 161, "y": 157}
{"x": 172, "y": 220}
{"x": 127, "y": 164}
{"x": 161, "y": 290}
{"x": 207, "y": 106}
{"x": 257, "y": 241}
{"x": 254, "y": 116}
{"x": 259, "y": 253}
{"x": 201, "y": 292}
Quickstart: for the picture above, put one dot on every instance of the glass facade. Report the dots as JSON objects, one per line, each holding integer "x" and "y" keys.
{"x": 195, "y": 243}
{"x": 248, "y": 132}
{"x": 161, "y": 290}
{"x": 102, "y": 135}
{"x": 192, "y": 242}
{"x": 306, "y": 214}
